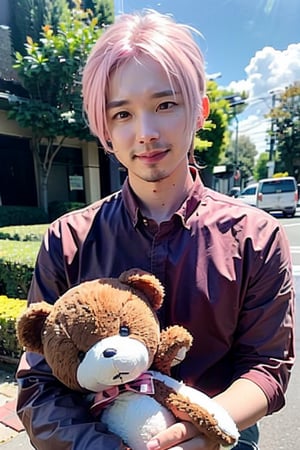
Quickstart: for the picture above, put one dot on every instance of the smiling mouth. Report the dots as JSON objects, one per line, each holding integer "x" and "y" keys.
{"x": 153, "y": 156}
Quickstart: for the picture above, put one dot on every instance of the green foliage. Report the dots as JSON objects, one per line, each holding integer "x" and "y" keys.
{"x": 246, "y": 153}
{"x": 50, "y": 71}
{"x": 27, "y": 20}
{"x": 286, "y": 118}
{"x": 10, "y": 310}
{"x": 215, "y": 131}
{"x": 261, "y": 168}
{"x": 57, "y": 209}
{"x": 56, "y": 11}
{"x": 17, "y": 260}
{"x": 280, "y": 174}
{"x": 102, "y": 9}
{"x": 21, "y": 215}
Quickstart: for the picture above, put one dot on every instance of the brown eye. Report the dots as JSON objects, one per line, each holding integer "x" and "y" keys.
{"x": 124, "y": 331}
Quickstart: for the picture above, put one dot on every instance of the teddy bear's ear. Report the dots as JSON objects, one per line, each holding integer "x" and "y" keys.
{"x": 145, "y": 282}
{"x": 30, "y": 324}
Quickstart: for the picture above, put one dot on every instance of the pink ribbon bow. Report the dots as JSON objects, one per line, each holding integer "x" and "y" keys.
{"x": 142, "y": 385}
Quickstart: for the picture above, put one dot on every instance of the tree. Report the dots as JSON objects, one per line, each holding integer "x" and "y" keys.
{"x": 212, "y": 140}
{"x": 29, "y": 17}
{"x": 246, "y": 156}
{"x": 55, "y": 12}
{"x": 102, "y": 9}
{"x": 50, "y": 73}
{"x": 261, "y": 168}
{"x": 27, "y": 20}
{"x": 286, "y": 120}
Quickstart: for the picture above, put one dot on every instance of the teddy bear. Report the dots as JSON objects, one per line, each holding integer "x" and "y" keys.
{"x": 103, "y": 338}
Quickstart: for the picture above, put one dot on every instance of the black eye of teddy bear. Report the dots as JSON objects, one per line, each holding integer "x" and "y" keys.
{"x": 124, "y": 331}
{"x": 81, "y": 356}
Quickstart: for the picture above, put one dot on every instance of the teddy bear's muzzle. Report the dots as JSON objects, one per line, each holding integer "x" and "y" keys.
{"x": 112, "y": 361}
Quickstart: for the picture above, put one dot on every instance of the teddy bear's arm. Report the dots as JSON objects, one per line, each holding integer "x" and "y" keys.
{"x": 184, "y": 410}
{"x": 175, "y": 341}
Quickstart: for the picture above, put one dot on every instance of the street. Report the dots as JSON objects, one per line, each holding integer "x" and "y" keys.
{"x": 281, "y": 431}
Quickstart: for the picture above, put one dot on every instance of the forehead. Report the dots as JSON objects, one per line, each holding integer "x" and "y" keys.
{"x": 138, "y": 77}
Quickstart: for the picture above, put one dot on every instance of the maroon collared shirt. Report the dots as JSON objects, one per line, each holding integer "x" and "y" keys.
{"x": 226, "y": 268}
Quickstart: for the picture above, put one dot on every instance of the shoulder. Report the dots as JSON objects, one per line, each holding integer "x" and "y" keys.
{"x": 80, "y": 221}
{"x": 230, "y": 206}
{"x": 225, "y": 213}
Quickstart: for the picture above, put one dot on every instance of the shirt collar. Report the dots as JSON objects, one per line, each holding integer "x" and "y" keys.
{"x": 184, "y": 212}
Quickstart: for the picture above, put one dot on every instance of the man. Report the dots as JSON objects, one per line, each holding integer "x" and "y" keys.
{"x": 225, "y": 266}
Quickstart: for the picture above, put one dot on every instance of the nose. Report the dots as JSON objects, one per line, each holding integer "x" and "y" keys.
{"x": 147, "y": 129}
{"x": 109, "y": 352}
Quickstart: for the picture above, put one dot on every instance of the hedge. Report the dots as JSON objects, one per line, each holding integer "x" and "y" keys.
{"x": 17, "y": 260}
{"x": 21, "y": 215}
{"x": 57, "y": 209}
{"x": 10, "y": 310}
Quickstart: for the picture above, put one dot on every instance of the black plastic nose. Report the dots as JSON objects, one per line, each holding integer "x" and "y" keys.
{"x": 109, "y": 352}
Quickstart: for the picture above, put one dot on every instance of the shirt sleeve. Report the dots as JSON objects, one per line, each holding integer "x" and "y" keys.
{"x": 54, "y": 416}
{"x": 264, "y": 349}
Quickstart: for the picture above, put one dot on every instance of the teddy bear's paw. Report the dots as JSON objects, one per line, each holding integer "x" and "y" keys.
{"x": 204, "y": 421}
{"x": 175, "y": 341}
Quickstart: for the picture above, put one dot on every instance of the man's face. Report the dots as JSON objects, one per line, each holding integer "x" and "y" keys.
{"x": 146, "y": 120}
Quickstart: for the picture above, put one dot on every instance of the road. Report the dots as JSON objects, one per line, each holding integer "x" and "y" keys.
{"x": 281, "y": 431}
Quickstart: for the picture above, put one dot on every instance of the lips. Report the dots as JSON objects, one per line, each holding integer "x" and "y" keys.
{"x": 152, "y": 156}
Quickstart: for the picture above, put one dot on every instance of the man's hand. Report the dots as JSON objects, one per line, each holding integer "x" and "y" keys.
{"x": 181, "y": 436}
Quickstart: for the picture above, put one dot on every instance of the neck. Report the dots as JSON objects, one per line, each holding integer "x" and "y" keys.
{"x": 161, "y": 199}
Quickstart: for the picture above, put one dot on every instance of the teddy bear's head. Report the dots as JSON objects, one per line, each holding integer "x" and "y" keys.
{"x": 103, "y": 332}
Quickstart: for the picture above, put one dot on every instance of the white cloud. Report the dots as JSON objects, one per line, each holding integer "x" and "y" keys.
{"x": 268, "y": 70}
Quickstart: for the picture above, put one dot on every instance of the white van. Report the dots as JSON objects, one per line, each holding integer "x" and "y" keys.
{"x": 278, "y": 194}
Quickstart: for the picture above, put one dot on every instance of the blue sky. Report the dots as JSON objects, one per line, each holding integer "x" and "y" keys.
{"x": 255, "y": 44}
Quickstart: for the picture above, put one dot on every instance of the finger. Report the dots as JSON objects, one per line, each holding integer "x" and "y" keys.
{"x": 197, "y": 443}
{"x": 175, "y": 434}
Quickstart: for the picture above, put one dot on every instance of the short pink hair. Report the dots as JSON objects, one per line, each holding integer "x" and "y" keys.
{"x": 169, "y": 43}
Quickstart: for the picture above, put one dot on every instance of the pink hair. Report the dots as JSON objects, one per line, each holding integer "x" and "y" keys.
{"x": 158, "y": 36}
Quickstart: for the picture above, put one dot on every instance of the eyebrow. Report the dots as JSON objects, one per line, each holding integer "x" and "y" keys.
{"x": 160, "y": 94}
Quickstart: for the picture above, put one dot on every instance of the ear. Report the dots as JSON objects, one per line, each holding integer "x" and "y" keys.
{"x": 30, "y": 325}
{"x": 145, "y": 282}
{"x": 204, "y": 113}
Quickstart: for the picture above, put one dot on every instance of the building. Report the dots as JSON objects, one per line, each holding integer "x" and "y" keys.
{"x": 81, "y": 171}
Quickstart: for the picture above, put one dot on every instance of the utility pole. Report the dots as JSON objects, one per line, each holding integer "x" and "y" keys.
{"x": 271, "y": 162}
{"x": 272, "y": 137}
{"x": 234, "y": 101}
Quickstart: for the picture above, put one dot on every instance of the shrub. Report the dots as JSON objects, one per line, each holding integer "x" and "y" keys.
{"x": 10, "y": 310}
{"x": 57, "y": 209}
{"x": 21, "y": 215}
{"x": 17, "y": 260}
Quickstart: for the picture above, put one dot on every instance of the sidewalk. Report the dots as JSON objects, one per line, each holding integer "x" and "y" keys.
{"x": 12, "y": 434}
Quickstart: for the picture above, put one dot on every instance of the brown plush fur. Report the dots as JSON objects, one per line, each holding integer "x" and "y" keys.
{"x": 97, "y": 309}
{"x": 184, "y": 409}
{"x": 88, "y": 313}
